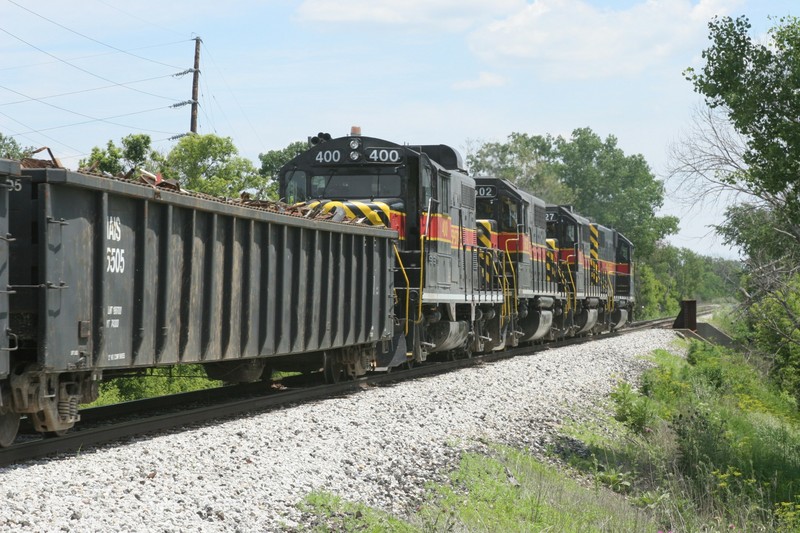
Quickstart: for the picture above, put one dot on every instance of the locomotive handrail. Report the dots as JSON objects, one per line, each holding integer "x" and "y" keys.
{"x": 422, "y": 239}
{"x": 11, "y": 335}
{"x": 572, "y": 300}
{"x": 513, "y": 271}
{"x": 8, "y": 290}
{"x": 408, "y": 283}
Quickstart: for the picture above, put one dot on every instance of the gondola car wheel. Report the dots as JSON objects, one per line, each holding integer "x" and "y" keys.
{"x": 9, "y": 425}
{"x": 333, "y": 369}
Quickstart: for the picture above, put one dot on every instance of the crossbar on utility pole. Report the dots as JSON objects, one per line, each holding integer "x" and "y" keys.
{"x": 195, "y": 83}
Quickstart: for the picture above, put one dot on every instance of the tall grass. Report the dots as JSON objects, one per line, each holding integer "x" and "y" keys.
{"x": 717, "y": 439}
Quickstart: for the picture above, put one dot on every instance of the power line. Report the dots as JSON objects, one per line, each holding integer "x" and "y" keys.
{"x": 107, "y": 120}
{"x": 80, "y": 68}
{"x": 90, "y": 38}
{"x": 86, "y": 90}
{"x": 90, "y": 56}
{"x": 32, "y": 140}
{"x": 91, "y": 118}
{"x": 140, "y": 19}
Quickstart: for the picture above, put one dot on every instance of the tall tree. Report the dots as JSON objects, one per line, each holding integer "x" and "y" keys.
{"x": 757, "y": 85}
{"x": 614, "y": 189}
{"x": 271, "y": 163}
{"x": 752, "y": 146}
{"x": 527, "y": 162}
{"x": 211, "y": 164}
{"x": 10, "y": 148}
{"x": 135, "y": 152}
{"x": 593, "y": 174}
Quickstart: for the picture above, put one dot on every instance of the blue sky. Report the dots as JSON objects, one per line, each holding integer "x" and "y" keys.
{"x": 74, "y": 75}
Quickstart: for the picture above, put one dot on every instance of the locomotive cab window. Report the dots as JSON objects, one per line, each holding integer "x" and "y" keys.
{"x": 296, "y": 183}
{"x": 623, "y": 252}
{"x": 356, "y": 186}
{"x": 426, "y": 186}
{"x": 485, "y": 210}
{"x": 508, "y": 215}
{"x": 570, "y": 236}
{"x": 444, "y": 197}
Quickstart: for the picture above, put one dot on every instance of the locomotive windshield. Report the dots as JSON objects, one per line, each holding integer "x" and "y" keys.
{"x": 356, "y": 186}
{"x": 341, "y": 185}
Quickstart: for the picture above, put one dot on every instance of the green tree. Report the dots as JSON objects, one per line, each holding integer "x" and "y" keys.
{"x": 10, "y": 148}
{"x": 210, "y": 164}
{"x": 135, "y": 152}
{"x": 757, "y": 230}
{"x": 271, "y": 163}
{"x": 613, "y": 189}
{"x": 593, "y": 174}
{"x": 653, "y": 297}
{"x": 757, "y": 85}
{"x": 752, "y": 84}
{"x": 526, "y": 161}
{"x": 776, "y": 330}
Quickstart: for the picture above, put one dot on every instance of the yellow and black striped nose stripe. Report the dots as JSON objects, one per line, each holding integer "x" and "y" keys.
{"x": 550, "y": 260}
{"x": 485, "y": 264}
{"x": 594, "y": 250}
{"x": 377, "y": 213}
{"x": 485, "y": 233}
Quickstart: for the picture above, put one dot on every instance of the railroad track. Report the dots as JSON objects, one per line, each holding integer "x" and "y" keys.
{"x": 111, "y": 423}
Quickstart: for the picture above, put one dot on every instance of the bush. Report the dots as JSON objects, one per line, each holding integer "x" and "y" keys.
{"x": 632, "y": 409}
{"x": 154, "y": 382}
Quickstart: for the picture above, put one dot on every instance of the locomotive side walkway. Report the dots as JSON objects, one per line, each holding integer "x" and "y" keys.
{"x": 378, "y": 447}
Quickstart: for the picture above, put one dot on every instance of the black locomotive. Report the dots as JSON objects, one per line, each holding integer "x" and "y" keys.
{"x": 481, "y": 264}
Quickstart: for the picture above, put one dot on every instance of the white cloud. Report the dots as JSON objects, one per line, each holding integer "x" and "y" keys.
{"x": 572, "y": 39}
{"x": 485, "y": 79}
{"x": 449, "y": 15}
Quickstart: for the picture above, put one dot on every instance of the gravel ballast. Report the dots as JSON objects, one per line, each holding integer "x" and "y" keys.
{"x": 378, "y": 446}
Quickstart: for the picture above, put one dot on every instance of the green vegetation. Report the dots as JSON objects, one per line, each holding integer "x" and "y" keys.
{"x": 710, "y": 444}
{"x": 10, "y": 148}
{"x": 508, "y": 491}
{"x": 748, "y": 147}
{"x": 202, "y": 163}
{"x": 154, "y": 382}
{"x": 707, "y": 444}
{"x": 673, "y": 274}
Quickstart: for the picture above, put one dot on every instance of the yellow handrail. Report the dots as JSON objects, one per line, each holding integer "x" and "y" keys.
{"x": 513, "y": 272}
{"x": 574, "y": 303}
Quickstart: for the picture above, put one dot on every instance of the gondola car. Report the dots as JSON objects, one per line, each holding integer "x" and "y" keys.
{"x": 107, "y": 277}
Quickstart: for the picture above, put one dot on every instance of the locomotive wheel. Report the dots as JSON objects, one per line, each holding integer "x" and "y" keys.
{"x": 9, "y": 425}
{"x": 333, "y": 370}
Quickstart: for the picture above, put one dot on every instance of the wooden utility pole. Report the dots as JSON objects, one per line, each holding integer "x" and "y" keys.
{"x": 195, "y": 83}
